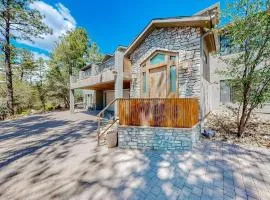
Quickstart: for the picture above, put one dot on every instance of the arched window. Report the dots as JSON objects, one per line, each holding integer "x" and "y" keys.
{"x": 159, "y": 75}
{"x": 157, "y": 59}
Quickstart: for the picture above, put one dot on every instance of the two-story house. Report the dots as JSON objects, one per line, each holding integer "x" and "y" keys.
{"x": 160, "y": 83}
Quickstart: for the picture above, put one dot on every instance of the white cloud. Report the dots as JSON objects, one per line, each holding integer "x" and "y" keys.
{"x": 58, "y": 18}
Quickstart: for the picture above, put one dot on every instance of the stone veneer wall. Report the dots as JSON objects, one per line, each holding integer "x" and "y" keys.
{"x": 185, "y": 41}
{"x": 158, "y": 138}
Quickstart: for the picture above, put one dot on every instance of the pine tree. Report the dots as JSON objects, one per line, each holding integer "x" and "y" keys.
{"x": 18, "y": 21}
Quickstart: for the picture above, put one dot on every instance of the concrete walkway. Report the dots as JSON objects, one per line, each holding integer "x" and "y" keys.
{"x": 54, "y": 156}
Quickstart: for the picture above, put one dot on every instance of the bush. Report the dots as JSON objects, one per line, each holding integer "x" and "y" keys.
{"x": 49, "y": 107}
{"x": 3, "y": 109}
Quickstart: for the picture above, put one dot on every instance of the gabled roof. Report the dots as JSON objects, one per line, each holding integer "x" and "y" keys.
{"x": 204, "y": 19}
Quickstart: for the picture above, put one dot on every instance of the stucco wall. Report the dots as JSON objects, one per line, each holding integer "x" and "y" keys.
{"x": 183, "y": 40}
{"x": 216, "y": 64}
{"x": 205, "y": 82}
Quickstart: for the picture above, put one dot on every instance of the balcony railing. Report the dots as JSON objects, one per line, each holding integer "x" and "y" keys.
{"x": 92, "y": 81}
{"x": 177, "y": 113}
{"x": 102, "y": 73}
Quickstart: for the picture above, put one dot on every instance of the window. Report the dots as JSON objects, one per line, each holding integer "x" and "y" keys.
{"x": 159, "y": 58}
{"x": 158, "y": 77}
{"x": 173, "y": 79}
{"x": 227, "y": 46}
{"x": 225, "y": 92}
{"x": 144, "y": 82}
{"x": 172, "y": 57}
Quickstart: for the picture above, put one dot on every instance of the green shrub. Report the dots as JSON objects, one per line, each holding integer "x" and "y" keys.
{"x": 50, "y": 107}
{"x": 3, "y": 109}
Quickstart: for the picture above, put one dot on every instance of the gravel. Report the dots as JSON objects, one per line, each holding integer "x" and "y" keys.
{"x": 223, "y": 121}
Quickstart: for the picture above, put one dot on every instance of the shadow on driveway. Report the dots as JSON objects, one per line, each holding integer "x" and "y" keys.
{"x": 62, "y": 161}
{"x": 26, "y": 136}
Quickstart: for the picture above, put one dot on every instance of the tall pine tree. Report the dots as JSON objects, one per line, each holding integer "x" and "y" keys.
{"x": 17, "y": 21}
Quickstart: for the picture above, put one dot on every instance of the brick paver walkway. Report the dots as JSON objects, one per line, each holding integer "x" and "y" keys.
{"x": 55, "y": 156}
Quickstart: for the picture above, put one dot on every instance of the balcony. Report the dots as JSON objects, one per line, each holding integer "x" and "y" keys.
{"x": 100, "y": 81}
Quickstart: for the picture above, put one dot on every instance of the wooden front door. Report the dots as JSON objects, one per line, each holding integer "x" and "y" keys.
{"x": 158, "y": 82}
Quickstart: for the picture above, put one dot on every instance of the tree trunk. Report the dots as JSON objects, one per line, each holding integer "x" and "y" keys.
{"x": 241, "y": 128}
{"x": 242, "y": 123}
{"x": 66, "y": 102}
{"x": 10, "y": 106}
{"x": 41, "y": 96}
{"x": 22, "y": 73}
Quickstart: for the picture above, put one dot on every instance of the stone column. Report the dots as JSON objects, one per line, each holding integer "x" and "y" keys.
{"x": 119, "y": 67}
{"x": 71, "y": 100}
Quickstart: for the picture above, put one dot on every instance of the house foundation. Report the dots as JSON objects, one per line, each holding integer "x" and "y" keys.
{"x": 158, "y": 138}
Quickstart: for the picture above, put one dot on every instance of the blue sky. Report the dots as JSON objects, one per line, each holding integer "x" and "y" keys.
{"x": 109, "y": 23}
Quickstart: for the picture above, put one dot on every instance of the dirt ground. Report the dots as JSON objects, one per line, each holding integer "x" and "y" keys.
{"x": 222, "y": 121}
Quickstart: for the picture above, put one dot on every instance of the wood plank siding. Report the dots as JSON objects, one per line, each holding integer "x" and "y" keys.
{"x": 159, "y": 112}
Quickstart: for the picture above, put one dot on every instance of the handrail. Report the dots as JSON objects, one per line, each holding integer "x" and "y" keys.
{"x": 102, "y": 111}
{"x": 104, "y": 131}
{"x": 99, "y": 116}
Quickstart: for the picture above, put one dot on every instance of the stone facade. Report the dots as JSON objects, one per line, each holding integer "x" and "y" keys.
{"x": 158, "y": 138}
{"x": 183, "y": 40}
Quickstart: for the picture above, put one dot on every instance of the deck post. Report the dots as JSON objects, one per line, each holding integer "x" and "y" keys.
{"x": 71, "y": 100}
{"x": 119, "y": 59}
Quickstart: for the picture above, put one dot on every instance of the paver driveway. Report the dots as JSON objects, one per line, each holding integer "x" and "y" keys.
{"x": 54, "y": 156}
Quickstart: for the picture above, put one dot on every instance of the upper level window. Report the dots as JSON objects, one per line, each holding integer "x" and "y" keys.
{"x": 227, "y": 47}
{"x": 159, "y": 58}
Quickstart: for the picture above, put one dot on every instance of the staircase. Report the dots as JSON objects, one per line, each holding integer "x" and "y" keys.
{"x": 106, "y": 121}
